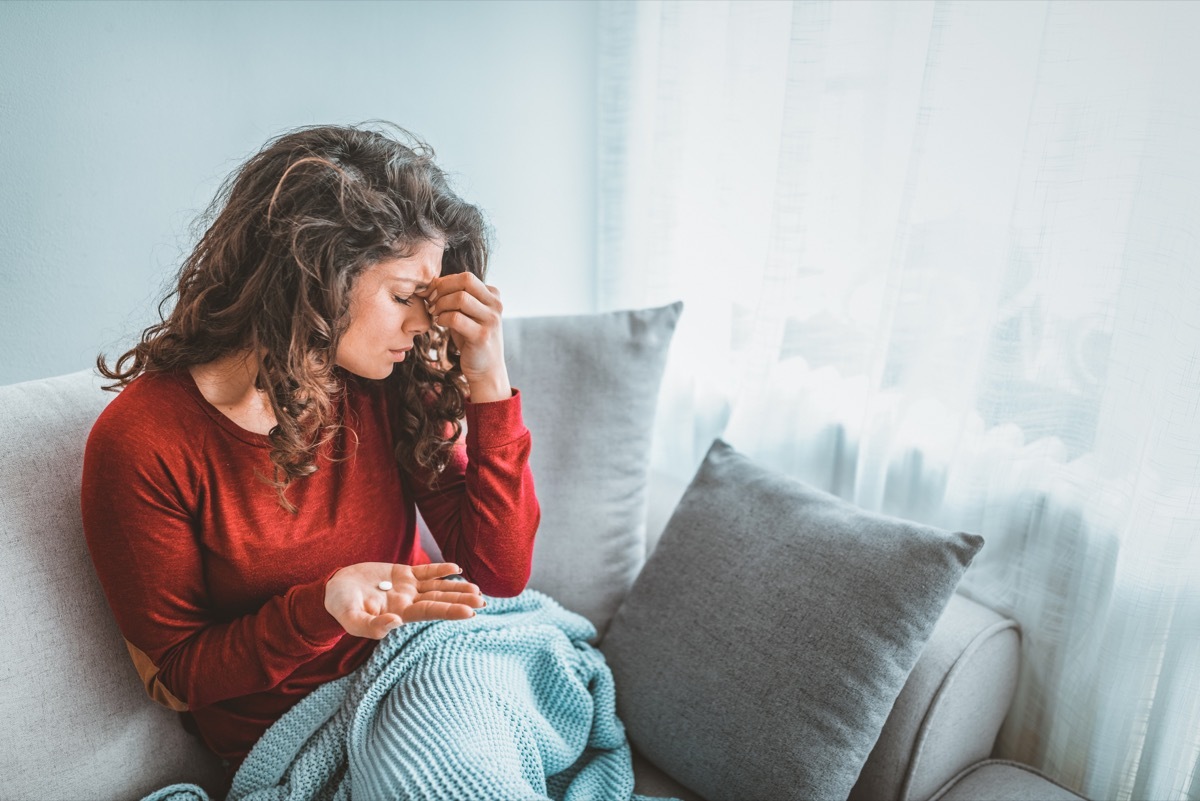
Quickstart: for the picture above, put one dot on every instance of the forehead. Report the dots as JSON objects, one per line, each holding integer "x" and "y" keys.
{"x": 419, "y": 267}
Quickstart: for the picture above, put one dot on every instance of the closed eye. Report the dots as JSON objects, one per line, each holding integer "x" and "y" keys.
{"x": 404, "y": 301}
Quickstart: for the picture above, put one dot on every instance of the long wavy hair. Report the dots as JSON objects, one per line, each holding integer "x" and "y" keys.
{"x": 284, "y": 240}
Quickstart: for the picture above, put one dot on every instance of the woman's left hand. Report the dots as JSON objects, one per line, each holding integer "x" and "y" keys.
{"x": 470, "y": 310}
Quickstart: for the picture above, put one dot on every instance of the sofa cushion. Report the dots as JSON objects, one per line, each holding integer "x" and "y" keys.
{"x": 74, "y": 718}
{"x": 761, "y": 648}
{"x": 589, "y": 386}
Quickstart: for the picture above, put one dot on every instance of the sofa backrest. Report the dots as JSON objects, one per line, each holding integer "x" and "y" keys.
{"x": 75, "y": 721}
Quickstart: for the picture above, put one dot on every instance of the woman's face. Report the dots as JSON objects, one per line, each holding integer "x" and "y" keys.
{"x": 382, "y": 326}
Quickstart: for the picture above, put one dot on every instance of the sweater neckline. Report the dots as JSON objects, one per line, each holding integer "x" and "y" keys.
{"x": 188, "y": 382}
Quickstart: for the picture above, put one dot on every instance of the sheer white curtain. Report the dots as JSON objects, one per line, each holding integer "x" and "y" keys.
{"x": 943, "y": 259}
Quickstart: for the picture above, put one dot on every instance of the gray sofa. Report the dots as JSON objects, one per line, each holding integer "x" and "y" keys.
{"x": 75, "y": 721}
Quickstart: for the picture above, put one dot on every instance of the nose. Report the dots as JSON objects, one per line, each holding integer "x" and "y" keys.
{"x": 418, "y": 321}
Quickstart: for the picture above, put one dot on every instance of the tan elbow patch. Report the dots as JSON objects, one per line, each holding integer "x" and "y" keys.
{"x": 149, "y": 673}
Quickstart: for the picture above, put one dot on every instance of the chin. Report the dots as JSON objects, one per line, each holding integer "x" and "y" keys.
{"x": 379, "y": 372}
{"x": 384, "y": 372}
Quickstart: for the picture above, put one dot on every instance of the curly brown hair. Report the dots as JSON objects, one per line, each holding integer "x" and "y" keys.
{"x": 286, "y": 236}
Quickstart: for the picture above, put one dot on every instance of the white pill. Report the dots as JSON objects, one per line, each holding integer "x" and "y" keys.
{"x": 385, "y": 585}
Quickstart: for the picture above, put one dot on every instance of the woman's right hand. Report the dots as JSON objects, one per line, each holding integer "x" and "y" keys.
{"x": 420, "y": 592}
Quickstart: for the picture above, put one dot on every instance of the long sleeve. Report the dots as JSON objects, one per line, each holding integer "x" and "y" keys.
{"x": 483, "y": 511}
{"x": 148, "y": 555}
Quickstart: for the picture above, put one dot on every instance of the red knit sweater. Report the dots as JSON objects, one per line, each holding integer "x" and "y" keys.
{"x": 219, "y": 592}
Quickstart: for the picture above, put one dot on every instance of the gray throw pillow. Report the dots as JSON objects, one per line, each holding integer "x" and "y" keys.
{"x": 763, "y": 645}
{"x": 589, "y": 387}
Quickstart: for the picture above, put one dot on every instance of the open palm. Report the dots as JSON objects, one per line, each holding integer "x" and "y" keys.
{"x": 423, "y": 592}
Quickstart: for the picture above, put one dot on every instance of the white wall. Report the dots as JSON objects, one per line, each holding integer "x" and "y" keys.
{"x": 118, "y": 120}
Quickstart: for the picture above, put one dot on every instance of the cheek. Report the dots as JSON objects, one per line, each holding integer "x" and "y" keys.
{"x": 381, "y": 317}
{"x": 365, "y": 324}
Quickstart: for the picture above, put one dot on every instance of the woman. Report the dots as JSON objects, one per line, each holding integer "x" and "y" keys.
{"x": 249, "y": 497}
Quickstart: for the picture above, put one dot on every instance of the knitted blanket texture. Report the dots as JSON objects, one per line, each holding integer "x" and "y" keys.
{"x": 513, "y": 703}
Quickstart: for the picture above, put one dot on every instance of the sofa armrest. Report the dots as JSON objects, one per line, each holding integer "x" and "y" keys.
{"x": 951, "y": 708}
{"x": 1000, "y": 778}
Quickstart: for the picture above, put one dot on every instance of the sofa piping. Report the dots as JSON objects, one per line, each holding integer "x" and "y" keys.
{"x": 965, "y": 772}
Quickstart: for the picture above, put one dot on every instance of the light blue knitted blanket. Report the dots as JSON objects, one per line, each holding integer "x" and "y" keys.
{"x": 511, "y": 704}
